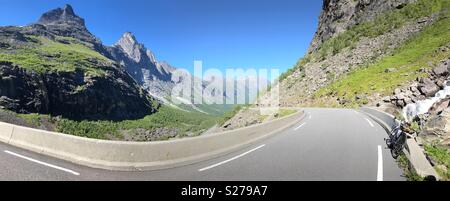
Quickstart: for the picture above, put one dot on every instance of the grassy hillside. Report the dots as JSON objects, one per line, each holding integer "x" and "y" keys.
{"x": 184, "y": 123}
{"x": 192, "y": 123}
{"x": 65, "y": 54}
{"x": 382, "y": 24}
{"x": 371, "y": 29}
{"x": 407, "y": 60}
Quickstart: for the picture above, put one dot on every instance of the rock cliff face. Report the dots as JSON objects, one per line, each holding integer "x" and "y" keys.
{"x": 64, "y": 22}
{"x": 339, "y": 15}
{"x": 141, "y": 64}
{"x": 114, "y": 96}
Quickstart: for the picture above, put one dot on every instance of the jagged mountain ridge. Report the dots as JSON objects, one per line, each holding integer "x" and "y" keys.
{"x": 154, "y": 76}
{"x": 56, "y": 67}
{"x": 133, "y": 56}
{"x": 63, "y": 24}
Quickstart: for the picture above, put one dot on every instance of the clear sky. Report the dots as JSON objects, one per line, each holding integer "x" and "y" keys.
{"x": 221, "y": 33}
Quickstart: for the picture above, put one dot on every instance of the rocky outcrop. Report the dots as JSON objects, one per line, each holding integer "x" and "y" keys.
{"x": 339, "y": 15}
{"x": 437, "y": 129}
{"x": 298, "y": 88}
{"x": 64, "y": 22}
{"x": 141, "y": 64}
{"x": 244, "y": 118}
{"x": 155, "y": 76}
{"x": 114, "y": 96}
{"x": 422, "y": 88}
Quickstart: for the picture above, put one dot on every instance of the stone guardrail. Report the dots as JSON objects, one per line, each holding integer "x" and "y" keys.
{"x": 136, "y": 156}
{"x": 412, "y": 150}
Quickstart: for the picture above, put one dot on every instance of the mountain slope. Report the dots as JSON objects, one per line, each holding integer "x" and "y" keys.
{"x": 358, "y": 44}
{"x": 157, "y": 77}
{"x": 54, "y": 67}
{"x": 356, "y": 47}
{"x": 56, "y": 75}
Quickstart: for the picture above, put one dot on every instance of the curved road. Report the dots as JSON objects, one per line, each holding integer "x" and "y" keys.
{"x": 329, "y": 144}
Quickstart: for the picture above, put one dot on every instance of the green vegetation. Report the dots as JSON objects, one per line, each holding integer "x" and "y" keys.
{"x": 229, "y": 114}
{"x": 166, "y": 117}
{"x": 380, "y": 25}
{"x": 285, "y": 112}
{"x": 415, "y": 127}
{"x": 298, "y": 67}
{"x": 42, "y": 55}
{"x": 408, "y": 173}
{"x": 408, "y": 60}
{"x": 192, "y": 123}
{"x": 34, "y": 119}
{"x": 442, "y": 157}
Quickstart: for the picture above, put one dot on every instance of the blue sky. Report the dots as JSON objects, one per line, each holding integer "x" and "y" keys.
{"x": 221, "y": 33}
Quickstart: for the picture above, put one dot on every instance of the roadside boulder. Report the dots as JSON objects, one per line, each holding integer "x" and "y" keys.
{"x": 441, "y": 69}
{"x": 428, "y": 87}
{"x": 439, "y": 106}
{"x": 438, "y": 128}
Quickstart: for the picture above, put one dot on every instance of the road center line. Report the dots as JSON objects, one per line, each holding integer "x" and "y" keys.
{"x": 42, "y": 163}
{"x": 371, "y": 124}
{"x": 380, "y": 164}
{"x": 299, "y": 126}
{"x": 231, "y": 159}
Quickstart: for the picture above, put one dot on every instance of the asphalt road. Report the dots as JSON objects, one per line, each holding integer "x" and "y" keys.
{"x": 329, "y": 144}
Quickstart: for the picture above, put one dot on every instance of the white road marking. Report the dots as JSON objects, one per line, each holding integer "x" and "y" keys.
{"x": 299, "y": 126}
{"x": 42, "y": 163}
{"x": 371, "y": 124}
{"x": 310, "y": 116}
{"x": 231, "y": 159}
{"x": 380, "y": 164}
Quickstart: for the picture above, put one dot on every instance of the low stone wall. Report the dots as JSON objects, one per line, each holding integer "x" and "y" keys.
{"x": 131, "y": 156}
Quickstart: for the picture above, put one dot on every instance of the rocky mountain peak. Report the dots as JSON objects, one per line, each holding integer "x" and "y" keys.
{"x": 68, "y": 10}
{"x": 64, "y": 22}
{"x": 131, "y": 46}
{"x": 128, "y": 37}
{"x": 64, "y": 15}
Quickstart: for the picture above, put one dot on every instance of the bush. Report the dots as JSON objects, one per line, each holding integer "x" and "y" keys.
{"x": 230, "y": 114}
{"x": 166, "y": 117}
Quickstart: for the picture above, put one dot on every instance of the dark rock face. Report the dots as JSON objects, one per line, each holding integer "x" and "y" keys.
{"x": 427, "y": 87}
{"x": 64, "y": 22}
{"x": 340, "y": 15}
{"x": 72, "y": 95}
{"x": 437, "y": 129}
{"x": 61, "y": 16}
{"x": 440, "y": 106}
